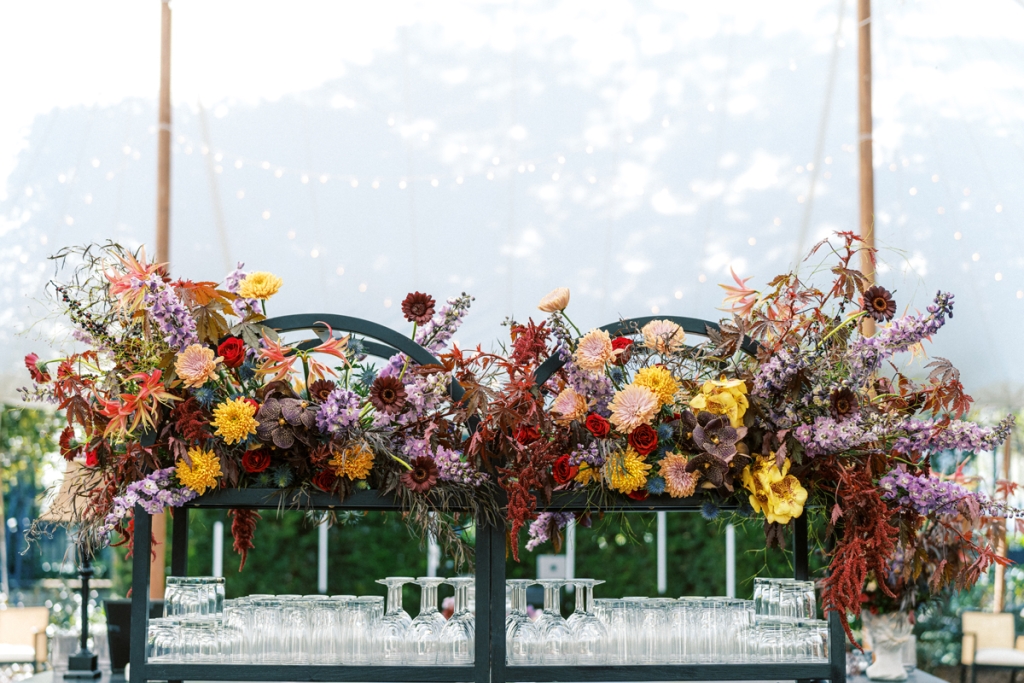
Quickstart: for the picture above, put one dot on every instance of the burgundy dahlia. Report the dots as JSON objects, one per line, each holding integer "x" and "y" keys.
{"x": 423, "y": 475}
{"x": 387, "y": 394}
{"x": 879, "y": 304}
{"x": 418, "y": 308}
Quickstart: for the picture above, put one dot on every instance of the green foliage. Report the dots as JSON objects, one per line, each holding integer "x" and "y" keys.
{"x": 28, "y": 436}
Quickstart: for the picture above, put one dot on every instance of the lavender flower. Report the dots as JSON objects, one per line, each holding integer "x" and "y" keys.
{"x": 927, "y": 495}
{"x": 451, "y": 467}
{"x": 155, "y": 493}
{"x": 867, "y": 354}
{"x": 957, "y": 435}
{"x": 339, "y": 411}
{"x": 827, "y": 435}
{"x": 241, "y": 306}
{"x": 172, "y": 318}
{"x": 539, "y": 531}
{"x": 586, "y": 454}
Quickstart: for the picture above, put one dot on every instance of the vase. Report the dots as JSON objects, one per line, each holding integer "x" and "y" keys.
{"x": 888, "y": 634}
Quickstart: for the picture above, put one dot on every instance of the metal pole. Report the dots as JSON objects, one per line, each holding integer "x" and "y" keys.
{"x": 867, "y": 171}
{"x": 163, "y": 249}
{"x": 662, "y": 552}
{"x": 1000, "y": 573}
{"x": 218, "y": 548}
{"x": 570, "y": 552}
{"x": 321, "y": 556}
{"x": 84, "y": 665}
{"x": 730, "y": 561}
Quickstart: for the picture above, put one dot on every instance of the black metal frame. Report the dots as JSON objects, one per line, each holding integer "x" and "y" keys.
{"x": 489, "y": 666}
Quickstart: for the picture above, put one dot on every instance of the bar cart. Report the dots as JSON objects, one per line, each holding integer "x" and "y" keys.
{"x": 489, "y": 663}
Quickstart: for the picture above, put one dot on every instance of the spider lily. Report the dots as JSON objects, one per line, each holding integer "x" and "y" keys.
{"x": 125, "y": 285}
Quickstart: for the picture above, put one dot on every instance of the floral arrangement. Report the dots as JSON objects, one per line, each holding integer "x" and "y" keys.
{"x": 793, "y": 404}
{"x": 181, "y": 389}
{"x": 819, "y": 414}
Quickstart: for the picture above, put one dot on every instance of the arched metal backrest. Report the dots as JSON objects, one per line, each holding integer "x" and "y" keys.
{"x": 632, "y": 326}
{"x": 391, "y": 341}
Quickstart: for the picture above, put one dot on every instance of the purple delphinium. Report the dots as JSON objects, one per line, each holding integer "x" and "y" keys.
{"x": 241, "y": 306}
{"x": 586, "y": 454}
{"x": 828, "y": 435}
{"x": 540, "y": 527}
{"x": 595, "y": 387}
{"x": 450, "y": 467}
{"x": 339, "y": 411}
{"x": 155, "y": 493}
{"x": 927, "y": 495}
{"x": 958, "y": 435}
{"x": 172, "y": 318}
{"x": 867, "y": 354}
{"x": 434, "y": 335}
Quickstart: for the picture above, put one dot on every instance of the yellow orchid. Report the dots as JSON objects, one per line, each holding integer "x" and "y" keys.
{"x": 723, "y": 397}
{"x": 773, "y": 490}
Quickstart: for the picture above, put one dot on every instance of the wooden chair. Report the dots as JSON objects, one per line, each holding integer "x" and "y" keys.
{"x": 23, "y": 637}
{"x": 990, "y": 642}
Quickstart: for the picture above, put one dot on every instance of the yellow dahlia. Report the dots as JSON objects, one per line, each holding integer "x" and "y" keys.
{"x": 235, "y": 420}
{"x": 259, "y": 285}
{"x": 724, "y": 397}
{"x": 773, "y": 490}
{"x": 569, "y": 406}
{"x": 196, "y": 365}
{"x": 678, "y": 482}
{"x": 555, "y": 300}
{"x": 202, "y": 474}
{"x": 632, "y": 407}
{"x": 355, "y": 462}
{"x": 626, "y": 471}
{"x": 594, "y": 351}
{"x": 660, "y": 381}
{"x": 663, "y": 336}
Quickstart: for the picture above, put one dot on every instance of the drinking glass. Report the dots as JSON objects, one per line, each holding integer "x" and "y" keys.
{"x": 425, "y": 630}
{"x": 199, "y": 640}
{"x": 587, "y": 630}
{"x": 324, "y": 631}
{"x": 615, "y": 615}
{"x": 341, "y": 605}
{"x": 294, "y": 630}
{"x": 394, "y": 627}
{"x": 361, "y": 620}
{"x": 760, "y": 595}
{"x": 522, "y": 637}
{"x": 457, "y": 636}
{"x": 267, "y": 626}
{"x": 164, "y": 640}
{"x": 811, "y": 640}
{"x": 776, "y": 641}
{"x": 558, "y": 646}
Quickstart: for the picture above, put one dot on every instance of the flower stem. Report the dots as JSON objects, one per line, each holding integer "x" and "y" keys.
{"x": 578, "y": 333}
{"x": 853, "y": 317}
{"x": 305, "y": 375}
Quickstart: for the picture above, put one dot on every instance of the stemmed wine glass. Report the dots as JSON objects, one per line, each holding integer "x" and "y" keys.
{"x": 457, "y": 635}
{"x": 394, "y": 627}
{"x": 522, "y": 637}
{"x": 558, "y": 646}
{"x": 422, "y": 641}
{"x": 588, "y": 631}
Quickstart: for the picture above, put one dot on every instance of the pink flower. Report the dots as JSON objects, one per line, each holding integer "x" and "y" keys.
{"x": 663, "y": 336}
{"x": 678, "y": 482}
{"x": 569, "y": 406}
{"x": 594, "y": 351}
{"x": 632, "y": 407}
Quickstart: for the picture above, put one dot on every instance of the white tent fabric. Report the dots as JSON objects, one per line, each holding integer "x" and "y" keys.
{"x": 632, "y": 152}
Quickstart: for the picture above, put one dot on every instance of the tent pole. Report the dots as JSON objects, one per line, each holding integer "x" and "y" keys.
{"x": 999, "y": 580}
{"x": 867, "y": 172}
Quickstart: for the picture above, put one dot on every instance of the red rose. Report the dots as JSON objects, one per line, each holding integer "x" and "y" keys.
{"x": 639, "y": 495}
{"x": 643, "y": 439}
{"x": 325, "y": 480}
{"x": 256, "y": 461}
{"x": 527, "y": 433}
{"x": 232, "y": 350}
{"x": 562, "y": 471}
{"x": 623, "y": 346}
{"x": 253, "y": 402}
{"x": 39, "y": 374}
{"x": 598, "y": 426}
{"x": 91, "y": 459}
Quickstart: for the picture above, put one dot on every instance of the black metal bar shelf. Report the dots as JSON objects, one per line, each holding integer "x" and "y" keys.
{"x": 311, "y": 672}
{"x": 666, "y": 672}
{"x": 489, "y": 666}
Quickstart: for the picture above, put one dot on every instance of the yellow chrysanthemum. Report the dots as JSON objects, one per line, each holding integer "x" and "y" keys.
{"x": 660, "y": 381}
{"x": 235, "y": 420}
{"x": 725, "y": 397}
{"x": 355, "y": 462}
{"x": 773, "y": 490}
{"x": 196, "y": 365}
{"x": 632, "y": 407}
{"x": 259, "y": 285}
{"x": 202, "y": 474}
{"x": 626, "y": 471}
{"x": 587, "y": 474}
